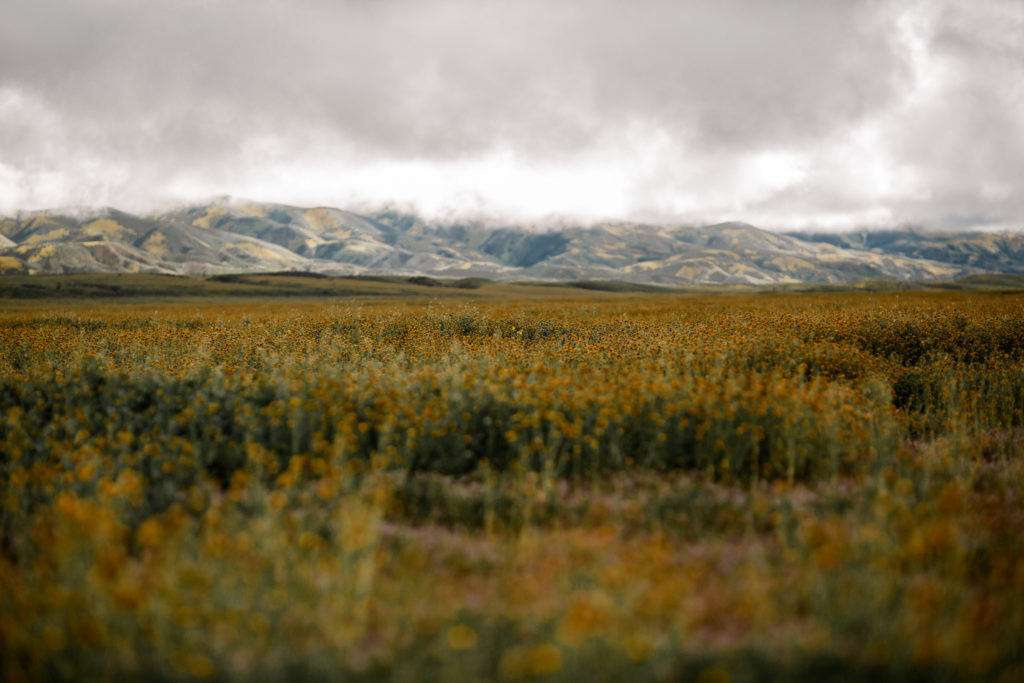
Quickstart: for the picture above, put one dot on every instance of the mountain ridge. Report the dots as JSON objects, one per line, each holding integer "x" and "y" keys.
{"x": 237, "y": 236}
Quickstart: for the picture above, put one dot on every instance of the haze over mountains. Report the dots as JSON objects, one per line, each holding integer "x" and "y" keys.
{"x": 231, "y": 236}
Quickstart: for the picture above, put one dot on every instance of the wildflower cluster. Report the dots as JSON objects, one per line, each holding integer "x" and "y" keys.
{"x": 600, "y": 488}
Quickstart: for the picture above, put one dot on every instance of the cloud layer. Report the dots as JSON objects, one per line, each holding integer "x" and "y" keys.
{"x": 797, "y": 112}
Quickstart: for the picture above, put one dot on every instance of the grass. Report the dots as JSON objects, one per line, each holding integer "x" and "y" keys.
{"x": 600, "y": 486}
{"x": 292, "y": 285}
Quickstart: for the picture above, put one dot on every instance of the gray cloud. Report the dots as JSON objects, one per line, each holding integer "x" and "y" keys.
{"x": 790, "y": 112}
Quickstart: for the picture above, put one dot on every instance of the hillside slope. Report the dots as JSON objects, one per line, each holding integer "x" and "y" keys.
{"x": 231, "y": 236}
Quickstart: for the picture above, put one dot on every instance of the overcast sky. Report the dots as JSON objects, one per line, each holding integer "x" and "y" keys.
{"x": 789, "y": 113}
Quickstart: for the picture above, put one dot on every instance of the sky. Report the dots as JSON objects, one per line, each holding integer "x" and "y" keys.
{"x": 828, "y": 114}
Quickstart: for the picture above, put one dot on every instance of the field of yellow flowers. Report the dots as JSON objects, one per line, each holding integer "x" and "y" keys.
{"x": 716, "y": 488}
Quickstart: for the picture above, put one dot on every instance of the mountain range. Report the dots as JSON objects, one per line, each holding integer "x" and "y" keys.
{"x": 234, "y": 236}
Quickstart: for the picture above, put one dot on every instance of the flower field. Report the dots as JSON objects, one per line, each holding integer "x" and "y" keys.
{"x": 716, "y": 488}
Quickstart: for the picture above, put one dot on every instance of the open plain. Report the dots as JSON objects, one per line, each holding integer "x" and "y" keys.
{"x": 587, "y": 485}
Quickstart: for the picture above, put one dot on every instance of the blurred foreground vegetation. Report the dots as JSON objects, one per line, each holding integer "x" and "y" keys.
{"x": 720, "y": 488}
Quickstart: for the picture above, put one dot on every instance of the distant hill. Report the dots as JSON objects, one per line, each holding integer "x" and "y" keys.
{"x": 233, "y": 236}
{"x": 978, "y": 251}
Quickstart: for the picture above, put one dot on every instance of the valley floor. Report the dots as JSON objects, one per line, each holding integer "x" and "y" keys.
{"x": 585, "y": 486}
